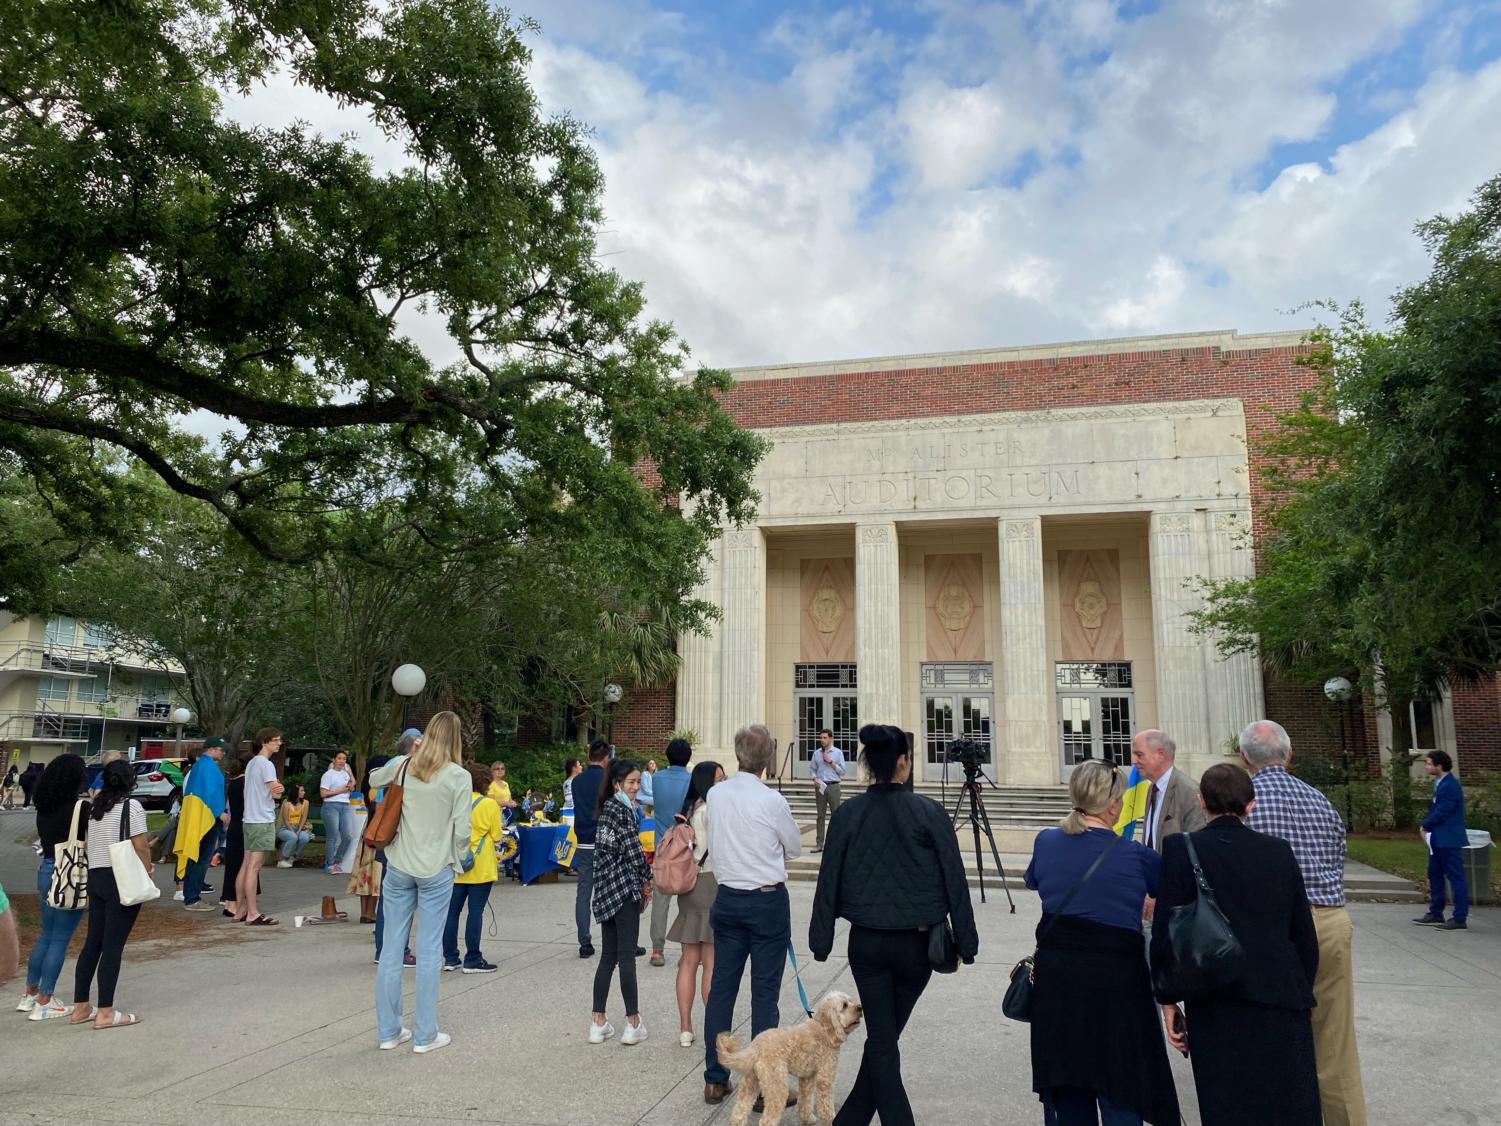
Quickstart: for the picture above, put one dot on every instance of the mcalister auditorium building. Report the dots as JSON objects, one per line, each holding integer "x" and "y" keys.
{"x": 1003, "y": 545}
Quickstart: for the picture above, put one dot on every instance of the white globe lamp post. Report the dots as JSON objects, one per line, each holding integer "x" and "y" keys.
{"x": 180, "y": 716}
{"x": 1338, "y": 690}
{"x": 407, "y": 681}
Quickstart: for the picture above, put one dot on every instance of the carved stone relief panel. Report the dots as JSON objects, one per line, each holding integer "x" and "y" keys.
{"x": 826, "y": 621}
{"x": 1089, "y": 586}
{"x": 954, "y": 608}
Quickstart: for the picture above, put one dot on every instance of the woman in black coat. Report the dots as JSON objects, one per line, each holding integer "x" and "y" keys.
{"x": 892, "y": 868}
{"x": 1097, "y": 1053}
{"x": 1251, "y": 1041}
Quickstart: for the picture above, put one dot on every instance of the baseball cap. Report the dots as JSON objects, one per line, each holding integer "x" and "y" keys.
{"x": 411, "y": 731}
{"x": 214, "y": 741}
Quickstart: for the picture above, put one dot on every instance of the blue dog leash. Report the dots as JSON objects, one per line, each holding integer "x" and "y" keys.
{"x": 798, "y": 977}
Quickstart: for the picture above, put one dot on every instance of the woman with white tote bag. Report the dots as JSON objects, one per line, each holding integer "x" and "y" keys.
{"x": 115, "y": 819}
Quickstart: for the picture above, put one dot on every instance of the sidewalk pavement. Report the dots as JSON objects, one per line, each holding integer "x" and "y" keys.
{"x": 278, "y": 1026}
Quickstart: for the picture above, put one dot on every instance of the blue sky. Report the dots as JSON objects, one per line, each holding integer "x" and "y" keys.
{"x": 814, "y": 181}
{"x": 821, "y": 180}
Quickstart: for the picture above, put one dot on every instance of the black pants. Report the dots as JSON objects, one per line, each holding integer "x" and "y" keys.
{"x": 109, "y": 927}
{"x": 618, "y": 938}
{"x": 891, "y": 970}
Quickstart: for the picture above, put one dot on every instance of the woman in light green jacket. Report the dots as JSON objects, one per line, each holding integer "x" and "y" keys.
{"x": 430, "y": 848}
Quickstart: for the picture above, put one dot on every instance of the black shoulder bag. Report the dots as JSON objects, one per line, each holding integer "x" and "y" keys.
{"x": 1206, "y": 954}
{"x": 1017, "y": 1004}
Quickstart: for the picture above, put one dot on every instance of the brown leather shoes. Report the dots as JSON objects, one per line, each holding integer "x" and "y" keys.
{"x": 716, "y": 1093}
{"x": 761, "y": 1101}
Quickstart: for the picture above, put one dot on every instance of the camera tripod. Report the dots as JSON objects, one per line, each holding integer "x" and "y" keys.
{"x": 979, "y": 822}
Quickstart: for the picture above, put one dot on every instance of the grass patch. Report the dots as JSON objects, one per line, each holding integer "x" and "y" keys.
{"x": 1407, "y": 857}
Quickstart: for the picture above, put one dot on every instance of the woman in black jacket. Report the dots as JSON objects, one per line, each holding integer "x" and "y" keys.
{"x": 1243, "y": 1032}
{"x": 893, "y": 896}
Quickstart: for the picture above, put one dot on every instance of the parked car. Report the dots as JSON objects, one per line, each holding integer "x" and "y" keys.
{"x": 154, "y": 785}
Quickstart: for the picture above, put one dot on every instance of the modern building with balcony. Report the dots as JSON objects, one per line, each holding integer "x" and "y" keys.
{"x": 69, "y": 685}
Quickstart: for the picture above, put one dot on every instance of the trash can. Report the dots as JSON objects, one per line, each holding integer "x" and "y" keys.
{"x": 1477, "y": 859}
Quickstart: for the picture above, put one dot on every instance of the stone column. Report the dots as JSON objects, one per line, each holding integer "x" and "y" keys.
{"x": 698, "y": 679}
{"x": 1235, "y": 689}
{"x": 878, "y": 623}
{"x": 1179, "y": 553}
{"x": 743, "y": 648}
{"x": 1025, "y": 753}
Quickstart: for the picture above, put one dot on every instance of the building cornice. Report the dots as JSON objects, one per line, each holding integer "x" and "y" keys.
{"x": 1223, "y": 340}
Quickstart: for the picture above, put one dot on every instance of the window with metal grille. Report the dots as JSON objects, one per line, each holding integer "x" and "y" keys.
{"x": 1094, "y": 674}
{"x": 825, "y": 676}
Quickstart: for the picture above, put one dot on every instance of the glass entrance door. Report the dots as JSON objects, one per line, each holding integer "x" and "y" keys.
{"x": 824, "y": 695}
{"x": 1096, "y": 712}
{"x": 958, "y": 702}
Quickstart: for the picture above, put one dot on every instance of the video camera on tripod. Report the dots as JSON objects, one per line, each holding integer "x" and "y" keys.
{"x": 968, "y": 754}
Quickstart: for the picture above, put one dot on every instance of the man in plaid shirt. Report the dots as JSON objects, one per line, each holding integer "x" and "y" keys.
{"x": 1293, "y": 810}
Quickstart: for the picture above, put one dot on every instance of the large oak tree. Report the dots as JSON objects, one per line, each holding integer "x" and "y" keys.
{"x": 158, "y": 258}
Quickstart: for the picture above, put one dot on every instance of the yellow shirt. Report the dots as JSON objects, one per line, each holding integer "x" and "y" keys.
{"x": 500, "y": 791}
{"x": 294, "y": 815}
{"x": 484, "y": 831}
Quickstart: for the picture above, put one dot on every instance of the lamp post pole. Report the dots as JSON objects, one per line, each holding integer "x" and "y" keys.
{"x": 407, "y": 681}
{"x": 1338, "y": 690}
{"x": 613, "y": 696}
{"x": 180, "y": 716}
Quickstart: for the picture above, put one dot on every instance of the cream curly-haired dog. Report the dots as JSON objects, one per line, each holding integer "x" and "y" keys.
{"x": 810, "y": 1051}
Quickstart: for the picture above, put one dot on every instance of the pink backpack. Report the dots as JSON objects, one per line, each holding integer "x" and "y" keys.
{"x": 673, "y": 871}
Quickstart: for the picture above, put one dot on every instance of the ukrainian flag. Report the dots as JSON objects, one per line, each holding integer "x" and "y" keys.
{"x": 202, "y": 803}
{"x": 1133, "y": 804}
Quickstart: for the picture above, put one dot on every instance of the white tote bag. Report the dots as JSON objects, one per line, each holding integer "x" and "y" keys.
{"x": 132, "y": 881}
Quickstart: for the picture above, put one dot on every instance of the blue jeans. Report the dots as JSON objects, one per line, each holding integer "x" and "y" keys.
{"x": 51, "y": 948}
{"x": 1075, "y": 1106}
{"x": 754, "y": 926}
{"x": 426, "y": 899}
{"x": 1448, "y": 863}
{"x": 337, "y": 824}
{"x": 293, "y": 841}
{"x": 380, "y": 910}
{"x": 474, "y": 896}
{"x": 197, "y": 871}
{"x": 583, "y": 863}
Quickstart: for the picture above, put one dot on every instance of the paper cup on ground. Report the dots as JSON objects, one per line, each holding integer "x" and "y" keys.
{"x": 297, "y": 920}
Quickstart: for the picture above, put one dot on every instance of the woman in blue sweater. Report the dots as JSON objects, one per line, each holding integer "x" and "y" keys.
{"x": 1097, "y": 1051}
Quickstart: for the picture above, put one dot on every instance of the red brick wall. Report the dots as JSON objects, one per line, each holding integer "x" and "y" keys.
{"x": 1312, "y": 724}
{"x": 1477, "y": 726}
{"x": 644, "y": 719}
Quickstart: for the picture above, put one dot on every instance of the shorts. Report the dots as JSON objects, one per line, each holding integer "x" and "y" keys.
{"x": 260, "y": 837}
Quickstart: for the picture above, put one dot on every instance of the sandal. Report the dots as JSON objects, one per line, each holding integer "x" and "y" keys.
{"x": 121, "y": 1020}
{"x": 263, "y": 921}
{"x": 89, "y": 1019}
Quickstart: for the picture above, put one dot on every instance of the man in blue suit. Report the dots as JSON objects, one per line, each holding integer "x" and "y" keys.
{"x": 1445, "y": 826}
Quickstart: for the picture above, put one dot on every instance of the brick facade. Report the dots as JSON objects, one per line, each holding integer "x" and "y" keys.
{"x": 1477, "y": 726}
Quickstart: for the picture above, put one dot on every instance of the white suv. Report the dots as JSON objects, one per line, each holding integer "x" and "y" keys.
{"x": 153, "y": 787}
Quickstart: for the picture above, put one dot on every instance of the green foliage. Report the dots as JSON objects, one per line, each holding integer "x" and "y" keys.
{"x": 537, "y": 769}
{"x": 179, "y": 261}
{"x": 687, "y": 734}
{"x": 1381, "y": 555}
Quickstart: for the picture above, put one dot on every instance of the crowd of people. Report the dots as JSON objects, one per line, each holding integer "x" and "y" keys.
{"x": 1109, "y": 995}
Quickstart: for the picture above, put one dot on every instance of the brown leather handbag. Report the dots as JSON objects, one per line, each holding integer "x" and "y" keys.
{"x": 380, "y": 830}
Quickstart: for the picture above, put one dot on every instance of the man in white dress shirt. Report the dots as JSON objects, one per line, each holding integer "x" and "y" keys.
{"x": 751, "y": 836}
{"x": 827, "y": 770}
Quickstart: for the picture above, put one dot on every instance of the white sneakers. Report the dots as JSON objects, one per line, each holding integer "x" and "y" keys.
{"x": 401, "y": 1038}
{"x": 599, "y": 1033}
{"x": 177, "y": 895}
{"x": 633, "y": 1034}
{"x": 51, "y": 1010}
{"x": 685, "y": 1039}
{"x": 442, "y": 1040}
{"x": 283, "y": 863}
{"x": 28, "y": 1002}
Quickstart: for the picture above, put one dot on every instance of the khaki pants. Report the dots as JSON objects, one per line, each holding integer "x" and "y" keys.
{"x": 826, "y": 801}
{"x": 659, "y": 905}
{"x": 1334, "y": 1047}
